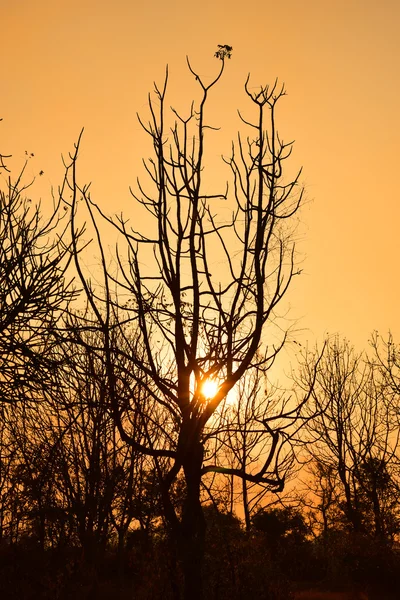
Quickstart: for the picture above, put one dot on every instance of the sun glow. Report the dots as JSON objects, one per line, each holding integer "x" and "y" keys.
{"x": 209, "y": 388}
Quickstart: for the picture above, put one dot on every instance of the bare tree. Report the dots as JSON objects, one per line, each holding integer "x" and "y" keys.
{"x": 34, "y": 292}
{"x": 8, "y": 461}
{"x": 98, "y": 475}
{"x": 326, "y": 496}
{"x": 386, "y": 359}
{"x": 206, "y": 307}
{"x": 243, "y": 444}
{"x": 350, "y": 436}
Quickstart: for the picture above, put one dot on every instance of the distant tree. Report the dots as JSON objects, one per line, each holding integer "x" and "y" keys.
{"x": 386, "y": 359}
{"x": 243, "y": 444}
{"x": 280, "y": 523}
{"x": 379, "y": 496}
{"x": 100, "y": 479}
{"x": 325, "y": 498}
{"x": 34, "y": 291}
{"x": 350, "y": 438}
{"x": 205, "y": 309}
{"x": 8, "y": 461}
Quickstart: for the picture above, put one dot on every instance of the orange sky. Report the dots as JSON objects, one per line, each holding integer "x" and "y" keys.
{"x": 91, "y": 63}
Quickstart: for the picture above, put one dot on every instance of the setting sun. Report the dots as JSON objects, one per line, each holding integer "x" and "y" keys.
{"x": 209, "y": 388}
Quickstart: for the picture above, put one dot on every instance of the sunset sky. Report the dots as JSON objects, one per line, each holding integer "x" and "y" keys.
{"x": 91, "y": 63}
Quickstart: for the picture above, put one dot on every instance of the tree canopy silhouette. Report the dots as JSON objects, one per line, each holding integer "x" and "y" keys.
{"x": 34, "y": 289}
{"x": 204, "y": 307}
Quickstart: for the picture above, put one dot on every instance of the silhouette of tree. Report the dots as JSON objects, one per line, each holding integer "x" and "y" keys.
{"x": 386, "y": 359}
{"x": 202, "y": 309}
{"x": 350, "y": 438}
{"x": 279, "y": 524}
{"x": 8, "y": 462}
{"x": 101, "y": 480}
{"x": 242, "y": 442}
{"x": 34, "y": 292}
{"x": 326, "y": 496}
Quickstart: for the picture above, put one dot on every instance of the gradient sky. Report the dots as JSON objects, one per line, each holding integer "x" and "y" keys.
{"x": 91, "y": 63}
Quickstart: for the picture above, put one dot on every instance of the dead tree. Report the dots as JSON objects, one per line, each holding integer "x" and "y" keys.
{"x": 205, "y": 308}
{"x": 351, "y": 438}
{"x": 34, "y": 289}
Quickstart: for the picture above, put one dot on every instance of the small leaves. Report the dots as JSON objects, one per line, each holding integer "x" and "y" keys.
{"x": 223, "y": 51}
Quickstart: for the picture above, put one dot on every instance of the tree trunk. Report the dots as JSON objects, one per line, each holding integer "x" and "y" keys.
{"x": 377, "y": 513}
{"x": 192, "y": 534}
{"x": 351, "y": 509}
{"x": 246, "y": 509}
